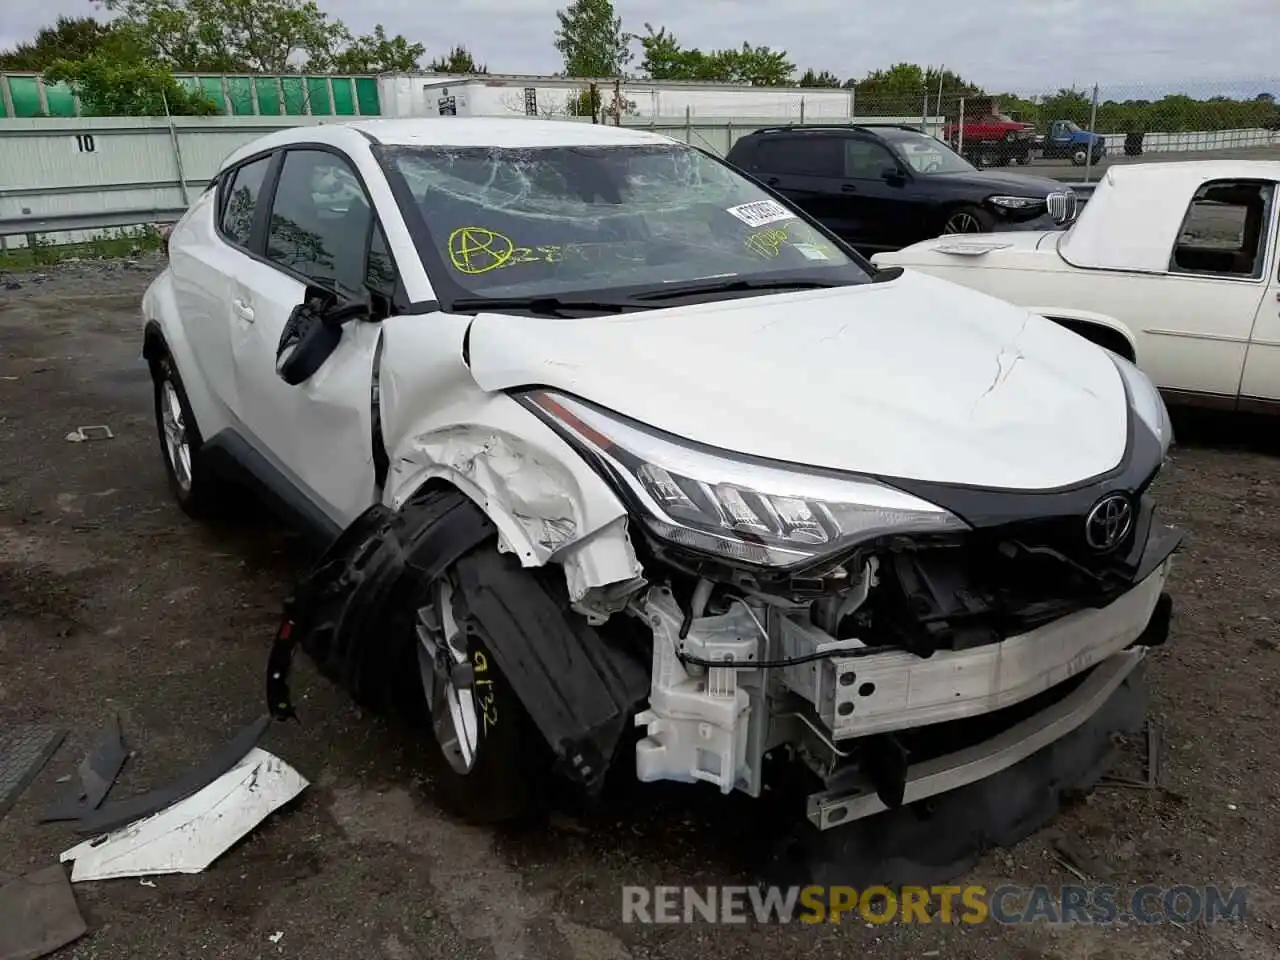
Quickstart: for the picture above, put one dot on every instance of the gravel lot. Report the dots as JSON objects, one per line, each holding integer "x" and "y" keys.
{"x": 110, "y": 599}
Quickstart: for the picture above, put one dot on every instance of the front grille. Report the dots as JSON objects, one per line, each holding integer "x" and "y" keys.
{"x": 1062, "y": 206}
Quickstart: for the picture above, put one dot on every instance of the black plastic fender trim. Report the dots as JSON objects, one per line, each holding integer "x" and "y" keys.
{"x": 579, "y": 685}
{"x": 338, "y": 608}
{"x": 122, "y": 812}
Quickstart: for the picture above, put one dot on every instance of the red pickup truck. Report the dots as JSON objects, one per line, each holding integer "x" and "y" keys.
{"x": 992, "y": 139}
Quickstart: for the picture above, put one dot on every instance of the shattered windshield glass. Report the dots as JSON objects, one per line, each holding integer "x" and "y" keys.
{"x": 548, "y": 221}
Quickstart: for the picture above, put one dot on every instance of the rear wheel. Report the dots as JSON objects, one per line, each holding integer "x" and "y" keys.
{"x": 968, "y": 218}
{"x": 1079, "y": 156}
{"x": 197, "y": 493}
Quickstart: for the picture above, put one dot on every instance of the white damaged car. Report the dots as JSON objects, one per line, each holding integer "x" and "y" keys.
{"x": 620, "y": 459}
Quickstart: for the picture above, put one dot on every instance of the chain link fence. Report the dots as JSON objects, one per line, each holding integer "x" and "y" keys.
{"x": 1091, "y": 127}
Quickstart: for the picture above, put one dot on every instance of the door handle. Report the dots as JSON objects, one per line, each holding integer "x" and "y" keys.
{"x": 848, "y": 188}
{"x": 772, "y": 181}
{"x": 243, "y": 310}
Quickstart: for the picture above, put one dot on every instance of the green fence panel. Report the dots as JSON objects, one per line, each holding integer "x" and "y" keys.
{"x": 318, "y": 94}
{"x": 212, "y": 88}
{"x": 344, "y": 98}
{"x": 268, "y": 96}
{"x": 367, "y": 96}
{"x": 295, "y": 97}
{"x": 240, "y": 93}
{"x": 26, "y": 98}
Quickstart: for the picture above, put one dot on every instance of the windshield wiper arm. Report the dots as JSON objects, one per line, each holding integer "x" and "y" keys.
{"x": 733, "y": 286}
{"x": 556, "y": 306}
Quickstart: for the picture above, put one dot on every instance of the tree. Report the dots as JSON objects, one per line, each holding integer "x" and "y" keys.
{"x": 375, "y": 53}
{"x": 70, "y": 38}
{"x": 110, "y": 86}
{"x": 591, "y": 39}
{"x": 824, "y": 79}
{"x": 900, "y": 89}
{"x": 256, "y": 36}
{"x": 665, "y": 59}
{"x": 458, "y": 60}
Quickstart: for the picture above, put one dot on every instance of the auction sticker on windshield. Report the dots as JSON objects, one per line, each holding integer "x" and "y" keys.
{"x": 760, "y": 212}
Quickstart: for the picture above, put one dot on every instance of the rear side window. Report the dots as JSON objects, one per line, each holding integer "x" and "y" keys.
{"x": 240, "y": 204}
{"x": 801, "y": 156}
{"x": 1224, "y": 231}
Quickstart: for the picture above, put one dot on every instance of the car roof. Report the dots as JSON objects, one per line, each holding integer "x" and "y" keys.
{"x": 1137, "y": 209}
{"x": 511, "y": 132}
{"x": 831, "y": 128}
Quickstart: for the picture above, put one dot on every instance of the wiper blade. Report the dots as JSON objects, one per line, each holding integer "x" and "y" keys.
{"x": 733, "y": 286}
{"x": 556, "y": 306}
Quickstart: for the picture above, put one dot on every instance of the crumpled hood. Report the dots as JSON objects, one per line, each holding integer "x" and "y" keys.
{"x": 915, "y": 378}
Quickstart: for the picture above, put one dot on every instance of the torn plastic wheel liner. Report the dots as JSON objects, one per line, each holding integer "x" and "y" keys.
{"x": 121, "y": 812}
{"x": 337, "y": 611}
{"x": 578, "y": 687}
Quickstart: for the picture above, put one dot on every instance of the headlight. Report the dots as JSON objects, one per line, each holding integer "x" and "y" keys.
{"x": 1016, "y": 203}
{"x": 1147, "y": 402}
{"x": 751, "y": 513}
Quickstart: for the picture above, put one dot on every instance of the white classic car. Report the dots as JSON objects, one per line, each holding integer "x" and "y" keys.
{"x": 1172, "y": 265}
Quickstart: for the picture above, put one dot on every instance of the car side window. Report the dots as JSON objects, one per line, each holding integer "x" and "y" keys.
{"x": 240, "y": 200}
{"x": 866, "y": 159}
{"x": 320, "y": 220}
{"x": 801, "y": 156}
{"x": 380, "y": 270}
{"x": 1224, "y": 231}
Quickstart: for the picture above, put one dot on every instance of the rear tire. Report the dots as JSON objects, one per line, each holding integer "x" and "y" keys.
{"x": 198, "y": 493}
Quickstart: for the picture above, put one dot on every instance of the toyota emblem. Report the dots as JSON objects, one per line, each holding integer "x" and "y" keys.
{"x": 1109, "y": 522}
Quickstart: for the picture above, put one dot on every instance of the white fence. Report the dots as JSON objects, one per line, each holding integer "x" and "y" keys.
{"x": 75, "y": 177}
{"x": 1250, "y": 139}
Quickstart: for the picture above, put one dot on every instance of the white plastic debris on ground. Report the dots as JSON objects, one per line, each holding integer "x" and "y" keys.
{"x": 188, "y": 836}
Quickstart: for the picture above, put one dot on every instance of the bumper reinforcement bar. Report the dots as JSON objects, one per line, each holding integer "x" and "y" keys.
{"x": 835, "y": 807}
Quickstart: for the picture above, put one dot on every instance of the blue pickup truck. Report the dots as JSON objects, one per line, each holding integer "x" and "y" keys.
{"x": 1065, "y": 139}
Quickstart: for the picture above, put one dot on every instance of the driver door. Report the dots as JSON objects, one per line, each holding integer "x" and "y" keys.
{"x": 318, "y": 434}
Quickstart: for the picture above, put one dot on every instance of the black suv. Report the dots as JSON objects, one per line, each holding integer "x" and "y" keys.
{"x": 884, "y": 187}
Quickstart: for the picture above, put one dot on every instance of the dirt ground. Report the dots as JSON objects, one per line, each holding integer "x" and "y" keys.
{"x": 110, "y": 599}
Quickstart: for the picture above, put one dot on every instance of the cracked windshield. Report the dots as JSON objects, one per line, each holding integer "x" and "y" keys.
{"x": 551, "y": 220}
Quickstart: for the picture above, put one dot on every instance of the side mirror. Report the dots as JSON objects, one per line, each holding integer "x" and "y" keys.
{"x": 893, "y": 175}
{"x": 312, "y": 333}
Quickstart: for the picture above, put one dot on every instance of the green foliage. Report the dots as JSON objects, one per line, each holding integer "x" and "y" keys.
{"x": 70, "y": 38}
{"x": 108, "y": 245}
{"x": 824, "y": 79}
{"x": 257, "y": 36}
{"x": 458, "y": 60}
{"x": 109, "y": 86}
{"x": 665, "y": 59}
{"x": 591, "y": 40}
{"x": 375, "y": 53}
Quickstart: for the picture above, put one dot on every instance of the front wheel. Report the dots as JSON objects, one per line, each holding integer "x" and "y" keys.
{"x": 968, "y": 219}
{"x": 494, "y": 760}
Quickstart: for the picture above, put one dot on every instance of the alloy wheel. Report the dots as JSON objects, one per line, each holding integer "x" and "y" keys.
{"x": 443, "y": 667}
{"x": 962, "y": 222}
{"x": 177, "y": 446}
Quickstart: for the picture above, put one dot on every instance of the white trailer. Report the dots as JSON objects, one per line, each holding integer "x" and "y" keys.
{"x": 418, "y": 95}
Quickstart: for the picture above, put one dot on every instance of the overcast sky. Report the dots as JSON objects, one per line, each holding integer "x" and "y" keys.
{"x": 1128, "y": 46}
